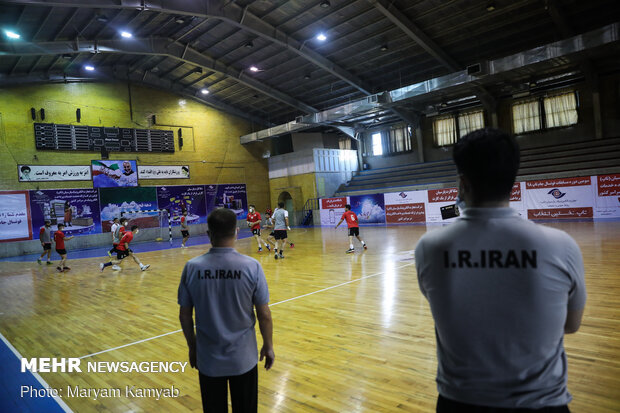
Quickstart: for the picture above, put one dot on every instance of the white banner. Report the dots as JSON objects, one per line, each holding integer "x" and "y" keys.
{"x": 563, "y": 198}
{"x": 14, "y": 216}
{"x": 517, "y": 201}
{"x": 607, "y": 196}
{"x": 163, "y": 171}
{"x": 42, "y": 173}
{"x": 438, "y": 198}
{"x": 332, "y": 210}
{"x": 405, "y": 207}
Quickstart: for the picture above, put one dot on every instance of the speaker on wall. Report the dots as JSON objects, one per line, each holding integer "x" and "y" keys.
{"x": 42, "y": 114}
{"x": 78, "y": 114}
{"x": 180, "y": 138}
{"x": 153, "y": 120}
{"x": 104, "y": 153}
{"x": 33, "y": 113}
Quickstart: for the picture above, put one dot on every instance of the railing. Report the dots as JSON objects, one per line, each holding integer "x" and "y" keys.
{"x": 312, "y": 203}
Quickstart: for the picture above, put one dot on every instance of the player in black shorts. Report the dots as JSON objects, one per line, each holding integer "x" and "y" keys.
{"x": 184, "y": 229}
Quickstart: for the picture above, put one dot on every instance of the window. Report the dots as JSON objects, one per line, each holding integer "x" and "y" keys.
{"x": 444, "y": 131}
{"x": 470, "y": 121}
{"x": 526, "y": 116}
{"x": 561, "y": 110}
{"x": 544, "y": 113}
{"x": 377, "y": 146}
{"x": 399, "y": 139}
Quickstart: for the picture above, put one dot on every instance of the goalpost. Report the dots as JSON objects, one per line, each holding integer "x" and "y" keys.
{"x": 145, "y": 219}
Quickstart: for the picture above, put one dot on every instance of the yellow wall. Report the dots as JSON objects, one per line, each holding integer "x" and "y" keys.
{"x": 301, "y": 187}
{"x": 211, "y": 138}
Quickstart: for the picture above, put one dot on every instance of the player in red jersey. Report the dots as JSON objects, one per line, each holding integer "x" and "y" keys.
{"x": 184, "y": 228}
{"x": 254, "y": 219}
{"x": 59, "y": 239}
{"x": 354, "y": 229}
{"x": 123, "y": 250}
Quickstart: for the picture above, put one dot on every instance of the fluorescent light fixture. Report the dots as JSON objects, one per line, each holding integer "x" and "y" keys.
{"x": 126, "y": 35}
{"x": 321, "y": 37}
{"x": 89, "y": 68}
{"x": 204, "y": 91}
{"x": 11, "y": 35}
{"x": 254, "y": 69}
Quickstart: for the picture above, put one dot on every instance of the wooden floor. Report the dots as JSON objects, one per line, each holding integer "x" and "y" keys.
{"x": 352, "y": 332}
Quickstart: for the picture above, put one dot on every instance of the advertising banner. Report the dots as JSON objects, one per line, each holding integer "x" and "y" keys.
{"x": 370, "y": 209}
{"x": 77, "y": 209}
{"x": 563, "y": 198}
{"x": 49, "y": 173}
{"x": 438, "y": 198}
{"x": 405, "y": 207}
{"x": 177, "y": 199}
{"x": 332, "y": 209}
{"x": 112, "y": 174}
{"x": 113, "y": 201}
{"x": 14, "y": 216}
{"x": 163, "y": 171}
{"x": 231, "y": 196}
{"x": 607, "y": 199}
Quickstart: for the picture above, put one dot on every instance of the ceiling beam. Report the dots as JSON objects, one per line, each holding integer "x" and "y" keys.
{"x": 155, "y": 46}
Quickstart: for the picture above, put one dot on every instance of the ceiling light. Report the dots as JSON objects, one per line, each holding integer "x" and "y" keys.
{"x": 180, "y": 20}
{"x": 321, "y": 37}
{"x": 384, "y": 47}
{"x": 155, "y": 69}
{"x": 325, "y": 4}
{"x": 126, "y": 35}
{"x": 254, "y": 69}
{"x": 101, "y": 18}
{"x": 11, "y": 35}
{"x": 89, "y": 68}
{"x": 204, "y": 91}
{"x": 307, "y": 77}
{"x": 249, "y": 45}
{"x": 491, "y": 6}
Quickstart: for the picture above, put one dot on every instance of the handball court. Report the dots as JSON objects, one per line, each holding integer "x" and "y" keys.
{"x": 352, "y": 332}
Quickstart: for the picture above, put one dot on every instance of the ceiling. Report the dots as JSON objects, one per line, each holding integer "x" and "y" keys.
{"x": 371, "y": 46}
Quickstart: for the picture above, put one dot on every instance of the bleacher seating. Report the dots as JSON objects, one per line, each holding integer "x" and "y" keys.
{"x": 592, "y": 157}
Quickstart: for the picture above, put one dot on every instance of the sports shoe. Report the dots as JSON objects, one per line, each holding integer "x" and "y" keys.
{"x": 101, "y": 267}
{"x": 49, "y": 263}
{"x": 116, "y": 268}
{"x": 276, "y": 256}
{"x": 183, "y": 246}
{"x": 58, "y": 269}
{"x": 292, "y": 245}
{"x": 260, "y": 249}
{"x": 281, "y": 256}
{"x": 268, "y": 247}
{"x": 109, "y": 254}
{"x": 350, "y": 250}
{"x": 145, "y": 267}
{"x": 39, "y": 261}
{"x": 66, "y": 268}
{"x": 365, "y": 246}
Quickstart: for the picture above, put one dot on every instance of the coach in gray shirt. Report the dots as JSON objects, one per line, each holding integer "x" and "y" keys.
{"x": 503, "y": 292}
{"x": 224, "y": 287}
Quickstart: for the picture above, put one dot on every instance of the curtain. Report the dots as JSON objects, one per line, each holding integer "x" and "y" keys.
{"x": 470, "y": 121}
{"x": 444, "y": 131}
{"x": 344, "y": 143}
{"x": 526, "y": 116}
{"x": 561, "y": 110}
{"x": 400, "y": 139}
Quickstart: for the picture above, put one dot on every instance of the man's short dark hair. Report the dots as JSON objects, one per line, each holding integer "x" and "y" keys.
{"x": 252, "y": 205}
{"x": 114, "y": 219}
{"x": 123, "y": 220}
{"x": 60, "y": 226}
{"x": 134, "y": 227}
{"x": 222, "y": 223}
{"x": 347, "y": 206}
{"x": 280, "y": 204}
{"x": 489, "y": 159}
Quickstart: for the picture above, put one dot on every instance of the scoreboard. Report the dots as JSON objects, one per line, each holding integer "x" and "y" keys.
{"x": 52, "y": 136}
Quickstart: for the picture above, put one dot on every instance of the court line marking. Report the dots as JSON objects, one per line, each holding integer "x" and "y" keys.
{"x": 40, "y": 379}
{"x": 271, "y": 305}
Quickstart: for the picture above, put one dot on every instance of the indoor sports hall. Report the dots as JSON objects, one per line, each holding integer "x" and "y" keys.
{"x": 129, "y": 122}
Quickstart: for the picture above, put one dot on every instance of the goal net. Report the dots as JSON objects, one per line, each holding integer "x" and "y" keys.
{"x": 154, "y": 224}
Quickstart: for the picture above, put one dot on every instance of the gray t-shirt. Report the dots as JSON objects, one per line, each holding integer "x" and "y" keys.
{"x": 279, "y": 220}
{"x": 46, "y": 235}
{"x": 499, "y": 288}
{"x": 116, "y": 233}
{"x": 224, "y": 286}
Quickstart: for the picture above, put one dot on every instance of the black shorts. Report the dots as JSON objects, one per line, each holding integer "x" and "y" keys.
{"x": 354, "y": 231}
{"x": 120, "y": 254}
{"x": 272, "y": 234}
{"x": 280, "y": 234}
{"x": 256, "y": 231}
{"x": 184, "y": 233}
{"x": 47, "y": 246}
{"x": 61, "y": 252}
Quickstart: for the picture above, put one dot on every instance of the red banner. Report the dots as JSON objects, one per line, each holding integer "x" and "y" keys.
{"x": 405, "y": 213}
{"x": 333, "y": 203}
{"x": 515, "y": 194}
{"x": 553, "y": 183}
{"x": 608, "y": 185}
{"x": 442, "y": 195}
{"x": 560, "y": 213}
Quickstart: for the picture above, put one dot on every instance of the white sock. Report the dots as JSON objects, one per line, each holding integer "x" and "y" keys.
{"x": 350, "y": 246}
{"x": 363, "y": 243}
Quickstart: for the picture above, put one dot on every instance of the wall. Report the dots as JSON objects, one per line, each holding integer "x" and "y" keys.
{"x": 301, "y": 187}
{"x": 302, "y": 141}
{"x": 211, "y": 138}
